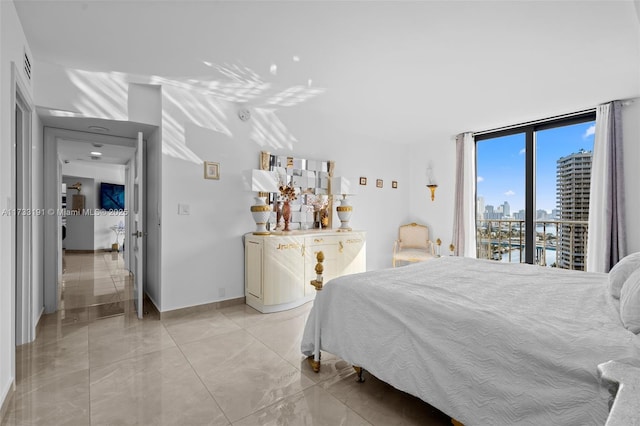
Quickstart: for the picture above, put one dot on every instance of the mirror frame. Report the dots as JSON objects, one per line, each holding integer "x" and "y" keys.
{"x": 270, "y": 161}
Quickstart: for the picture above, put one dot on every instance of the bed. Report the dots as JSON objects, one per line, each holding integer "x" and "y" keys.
{"x": 485, "y": 342}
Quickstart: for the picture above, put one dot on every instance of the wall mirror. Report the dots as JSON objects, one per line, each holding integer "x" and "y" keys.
{"x": 311, "y": 179}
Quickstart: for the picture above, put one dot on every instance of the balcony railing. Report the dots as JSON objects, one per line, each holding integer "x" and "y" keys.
{"x": 559, "y": 243}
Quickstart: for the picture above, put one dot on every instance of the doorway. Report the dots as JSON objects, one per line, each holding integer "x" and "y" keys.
{"x": 22, "y": 262}
{"x": 74, "y": 130}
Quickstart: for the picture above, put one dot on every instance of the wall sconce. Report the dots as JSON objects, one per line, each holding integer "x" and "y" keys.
{"x": 432, "y": 187}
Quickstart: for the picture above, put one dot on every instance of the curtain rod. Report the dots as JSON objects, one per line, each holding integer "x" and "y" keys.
{"x": 534, "y": 122}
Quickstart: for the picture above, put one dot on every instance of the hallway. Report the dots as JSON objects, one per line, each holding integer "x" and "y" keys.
{"x": 93, "y": 286}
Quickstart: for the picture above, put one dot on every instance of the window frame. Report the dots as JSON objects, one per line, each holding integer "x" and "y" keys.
{"x": 529, "y": 130}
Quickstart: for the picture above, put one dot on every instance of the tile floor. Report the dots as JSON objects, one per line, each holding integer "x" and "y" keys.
{"x": 94, "y": 363}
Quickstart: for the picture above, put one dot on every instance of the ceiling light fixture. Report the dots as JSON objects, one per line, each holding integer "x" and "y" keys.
{"x": 96, "y": 153}
{"x": 97, "y": 145}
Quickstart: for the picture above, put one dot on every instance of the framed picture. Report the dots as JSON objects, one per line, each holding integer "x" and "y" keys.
{"x": 211, "y": 170}
{"x": 379, "y": 183}
{"x": 394, "y": 184}
{"x": 363, "y": 181}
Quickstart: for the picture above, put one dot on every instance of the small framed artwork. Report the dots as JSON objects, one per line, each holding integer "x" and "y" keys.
{"x": 211, "y": 170}
{"x": 363, "y": 181}
{"x": 379, "y": 183}
{"x": 394, "y": 184}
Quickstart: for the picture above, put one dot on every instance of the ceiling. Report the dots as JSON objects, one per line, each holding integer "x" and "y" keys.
{"x": 398, "y": 71}
{"x": 117, "y": 138}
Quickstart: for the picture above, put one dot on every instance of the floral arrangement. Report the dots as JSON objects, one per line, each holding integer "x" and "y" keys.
{"x": 287, "y": 192}
{"x": 319, "y": 202}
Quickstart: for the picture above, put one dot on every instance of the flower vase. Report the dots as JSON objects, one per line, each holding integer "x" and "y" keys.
{"x": 286, "y": 215}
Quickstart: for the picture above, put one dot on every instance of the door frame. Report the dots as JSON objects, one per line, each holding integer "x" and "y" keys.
{"x": 52, "y": 202}
{"x": 22, "y": 109}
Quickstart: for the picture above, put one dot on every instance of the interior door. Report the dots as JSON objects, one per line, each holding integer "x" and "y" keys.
{"x": 137, "y": 228}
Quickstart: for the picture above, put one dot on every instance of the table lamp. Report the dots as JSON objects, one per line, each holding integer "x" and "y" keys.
{"x": 344, "y": 186}
{"x": 263, "y": 182}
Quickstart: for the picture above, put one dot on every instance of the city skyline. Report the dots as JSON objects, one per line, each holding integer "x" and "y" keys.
{"x": 501, "y": 165}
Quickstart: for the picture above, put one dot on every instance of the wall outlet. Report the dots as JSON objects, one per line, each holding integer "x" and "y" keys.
{"x": 184, "y": 209}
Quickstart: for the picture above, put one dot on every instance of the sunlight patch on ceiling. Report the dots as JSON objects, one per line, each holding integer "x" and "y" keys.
{"x": 246, "y": 85}
{"x": 207, "y": 102}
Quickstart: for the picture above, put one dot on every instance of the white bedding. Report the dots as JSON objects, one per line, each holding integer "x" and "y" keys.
{"x": 488, "y": 343}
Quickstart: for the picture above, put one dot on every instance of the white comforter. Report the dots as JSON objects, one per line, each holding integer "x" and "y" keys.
{"x": 488, "y": 343}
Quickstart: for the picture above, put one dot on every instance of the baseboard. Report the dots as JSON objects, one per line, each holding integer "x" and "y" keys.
{"x": 4, "y": 408}
{"x": 88, "y": 251}
{"x": 177, "y": 313}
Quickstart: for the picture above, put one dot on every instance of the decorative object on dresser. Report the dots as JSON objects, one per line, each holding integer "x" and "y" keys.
{"x": 278, "y": 268}
{"x": 263, "y": 182}
{"x": 288, "y": 193}
{"x": 309, "y": 181}
{"x": 344, "y": 186}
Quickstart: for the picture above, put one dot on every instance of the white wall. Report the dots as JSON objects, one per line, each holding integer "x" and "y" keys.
{"x": 439, "y": 153}
{"x": 203, "y": 257}
{"x": 439, "y": 213}
{"x": 101, "y": 236}
{"x": 12, "y": 47}
{"x": 80, "y": 229}
{"x": 37, "y": 173}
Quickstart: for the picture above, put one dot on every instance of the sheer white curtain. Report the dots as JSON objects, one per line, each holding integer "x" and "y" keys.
{"x": 607, "y": 243}
{"x": 464, "y": 223}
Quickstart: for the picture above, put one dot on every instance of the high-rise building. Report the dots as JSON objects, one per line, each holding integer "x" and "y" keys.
{"x": 573, "y": 180}
{"x": 480, "y": 207}
{"x": 506, "y": 209}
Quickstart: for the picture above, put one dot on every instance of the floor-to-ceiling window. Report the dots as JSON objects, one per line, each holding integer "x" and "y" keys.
{"x": 533, "y": 192}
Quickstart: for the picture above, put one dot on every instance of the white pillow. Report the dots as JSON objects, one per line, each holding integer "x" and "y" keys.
{"x": 621, "y": 271}
{"x": 630, "y": 303}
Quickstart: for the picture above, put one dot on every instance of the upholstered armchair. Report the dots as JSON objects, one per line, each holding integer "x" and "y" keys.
{"x": 413, "y": 244}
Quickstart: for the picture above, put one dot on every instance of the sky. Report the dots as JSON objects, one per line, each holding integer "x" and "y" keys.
{"x": 501, "y": 163}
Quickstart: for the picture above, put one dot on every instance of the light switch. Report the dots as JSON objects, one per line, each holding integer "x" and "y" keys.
{"x": 184, "y": 209}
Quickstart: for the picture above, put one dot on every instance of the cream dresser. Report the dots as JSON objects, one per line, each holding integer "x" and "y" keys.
{"x": 280, "y": 266}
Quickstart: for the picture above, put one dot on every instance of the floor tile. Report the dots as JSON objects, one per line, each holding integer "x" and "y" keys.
{"x": 380, "y": 403}
{"x": 159, "y": 388}
{"x": 59, "y": 400}
{"x": 107, "y": 345}
{"x": 313, "y": 406}
{"x": 200, "y": 326}
{"x": 47, "y": 358}
{"x": 242, "y": 374}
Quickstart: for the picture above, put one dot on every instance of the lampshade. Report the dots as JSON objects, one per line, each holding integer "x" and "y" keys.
{"x": 264, "y": 181}
{"x": 344, "y": 186}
